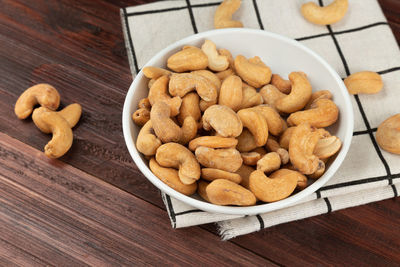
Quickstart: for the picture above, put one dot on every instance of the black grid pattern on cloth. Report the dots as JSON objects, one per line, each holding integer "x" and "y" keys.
{"x": 389, "y": 176}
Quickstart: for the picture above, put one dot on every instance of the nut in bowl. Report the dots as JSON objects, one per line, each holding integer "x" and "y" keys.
{"x": 266, "y": 54}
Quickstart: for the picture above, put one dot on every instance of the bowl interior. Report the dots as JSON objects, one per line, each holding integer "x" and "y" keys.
{"x": 283, "y": 56}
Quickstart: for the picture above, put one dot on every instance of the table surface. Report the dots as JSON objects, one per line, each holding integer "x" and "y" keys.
{"x": 93, "y": 206}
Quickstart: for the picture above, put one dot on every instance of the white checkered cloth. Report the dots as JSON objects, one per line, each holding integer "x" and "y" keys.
{"x": 362, "y": 40}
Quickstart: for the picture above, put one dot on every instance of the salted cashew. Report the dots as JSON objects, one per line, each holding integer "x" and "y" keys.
{"x": 275, "y": 123}
{"x": 244, "y": 171}
{"x": 224, "y": 12}
{"x": 283, "y": 85}
{"x": 216, "y": 62}
{"x": 209, "y": 75}
{"x": 364, "y": 82}
{"x": 231, "y": 93}
{"x": 226, "y": 159}
{"x": 252, "y": 71}
{"x": 147, "y": 142}
{"x": 173, "y": 155}
{"x": 327, "y": 147}
{"x": 182, "y": 83}
{"x": 322, "y": 113}
{"x": 223, "y": 120}
{"x": 323, "y": 94}
{"x": 188, "y": 59}
{"x": 271, "y": 94}
{"x": 301, "y": 179}
{"x": 274, "y": 146}
{"x": 141, "y": 116}
{"x": 206, "y": 104}
{"x": 301, "y": 148}
{"x": 388, "y": 134}
{"x": 222, "y": 75}
{"x": 170, "y": 177}
{"x": 227, "y": 53}
{"x": 285, "y": 137}
{"x": 250, "y": 158}
{"x": 324, "y": 15}
{"x": 166, "y": 129}
{"x": 320, "y": 170}
{"x": 256, "y": 124}
{"x": 201, "y": 189}
{"x": 210, "y": 174}
{"x": 299, "y": 95}
{"x": 271, "y": 190}
{"x": 70, "y": 113}
{"x": 159, "y": 92}
{"x": 212, "y": 142}
{"x": 269, "y": 162}
{"x": 246, "y": 141}
{"x": 250, "y": 97}
{"x": 42, "y": 94}
{"x": 189, "y": 108}
{"x": 225, "y": 192}
{"x": 155, "y": 72}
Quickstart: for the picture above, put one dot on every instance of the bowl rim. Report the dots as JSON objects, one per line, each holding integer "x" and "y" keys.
{"x": 248, "y": 210}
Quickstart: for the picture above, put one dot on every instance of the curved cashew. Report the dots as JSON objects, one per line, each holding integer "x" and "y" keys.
{"x": 225, "y": 192}
{"x": 388, "y": 134}
{"x": 222, "y": 75}
{"x": 171, "y": 178}
{"x": 271, "y": 94}
{"x": 274, "y": 146}
{"x": 269, "y": 162}
{"x": 146, "y": 142}
{"x": 223, "y": 120}
{"x": 209, "y": 75}
{"x": 270, "y": 190}
{"x": 283, "y": 85}
{"x": 285, "y": 137}
{"x": 176, "y": 156}
{"x": 301, "y": 179}
{"x": 252, "y": 71}
{"x": 250, "y": 158}
{"x": 256, "y": 124}
{"x": 155, "y": 72}
{"x": 227, "y": 53}
{"x": 212, "y": 142}
{"x": 226, "y": 159}
{"x": 141, "y": 116}
{"x": 365, "y": 82}
{"x": 246, "y": 141}
{"x": 244, "y": 171}
{"x": 231, "y": 93}
{"x": 188, "y": 59}
{"x": 166, "y": 129}
{"x": 324, "y": 15}
{"x": 189, "y": 108}
{"x": 323, "y": 113}
{"x": 299, "y": 95}
{"x": 250, "y": 97}
{"x": 159, "y": 92}
{"x": 42, "y": 94}
{"x": 211, "y": 174}
{"x": 275, "y": 123}
{"x": 182, "y": 83}
{"x": 327, "y": 147}
{"x": 216, "y": 62}
{"x": 70, "y": 113}
{"x": 223, "y": 15}
{"x": 323, "y": 94}
{"x": 201, "y": 189}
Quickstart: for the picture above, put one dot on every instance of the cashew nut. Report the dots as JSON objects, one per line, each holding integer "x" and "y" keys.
{"x": 244, "y": 171}
{"x": 231, "y": 93}
{"x": 182, "y": 83}
{"x": 270, "y": 190}
{"x": 176, "y": 156}
{"x": 212, "y": 142}
{"x": 250, "y": 158}
{"x": 274, "y": 146}
{"x": 388, "y": 134}
{"x": 159, "y": 92}
{"x": 250, "y": 97}
{"x": 151, "y": 82}
{"x": 299, "y": 95}
{"x": 223, "y": 120}
{"x": 146, "y": 142}
{"x": 301, "y": 179}
{"x": 327, "y": 147}
{"x": 323, "y": 94}
{"x": 275, "y": 123}
{"x": 226, "y": 159}
{"x": 222, "y": 75}
{"x": 42, "y": 94}
{"x": 252, "y": 71}
{"x": 260, "y": 151}
{"x": 216, "y": 62}
{"x": 246, "y": 141}
{"x": 171, "y": 178}
{"x": 225, "y": 192}
{"x": 323, "y": 113}
{"x": 189, "y": 108}
{"x": 283, "y": 85}
{"x": 365, "y": 82}
{"x": 223, "y": 15}
{"x": 271, "y": 94}
{"x": 285, "y": 137}
{"x": 209, "y": 75}
{"x": 324, "y": 15}
{"x": 201, "y": 189}
{"x": 211, "y": 174}
{"x": 227, "y": 53}
{"x": 188, "y": 59}
{"x": 70, "y": 113}
{"x": 155, "y": 72}
{"x": 269, "y": 162}
{"x": 256, "y": 124}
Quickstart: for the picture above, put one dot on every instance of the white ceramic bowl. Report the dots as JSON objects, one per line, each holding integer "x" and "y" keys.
{"x": 282, "y": 55}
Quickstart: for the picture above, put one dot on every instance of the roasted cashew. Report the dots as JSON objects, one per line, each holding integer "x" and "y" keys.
{"x": 189, "y": 108}
{"x": 274, "y": 146}
{"x": 271, "y": 94}
{"x": 322, "y": 113}
{"x": 211, "y": 174}
{"x": 159, "y": 92}
{"x": 151, "y": 82}
{"x": 275, "y": 123}
{"x": 327, "y": 147}
{"x": 155, "y": 72}
{"x": 222, "y": 75}
{"x": 250, "y": 97}
{"x": 299, "y": 95}
{"x": 285, "y": 137}
{"x": 146, "y": 142}
{"x": 231, "y": 93}
{"x": 141, "y": 116}
{"x": 223, "y": 15}
{"x": 227, "y": 53}
{"x": 225, "y": 192}
{"x": 364, "y": 82}
{"x": 188, "y": 59}
{"x": 226, "y": 159}
{"x": 256, "y": 123}
{"x": 212, "y": 142}
{"x": 166, "y": 129}
{"x": 269, "y": 162}
{"x": 252, "y": 71}
{"x": 70, "y": 113}
{"x": 246, "y": 141}
{"x": 244, "y": 171}
{"x": 223, "y": 120}
{"x": 209, "y": 75}
{"x": 171, "y": 178}
{"x": 388, "y": 134}
{"x": 176, "y": 156}
{"x": 250, "y": 158}
{"x": 324, "y": 15}
{"x": 182, "y": 83}
{"x": 283, "y": 85}
{"x": 323, "y": 94}
{"x": 201, "y": 189}
{"x": 216, "y": 62}
{"x": 270, "y": 190}
{"x": 42, "y": 94}
{"x": 301, "y": 179}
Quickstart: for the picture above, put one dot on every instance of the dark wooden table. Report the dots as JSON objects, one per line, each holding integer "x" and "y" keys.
{"x": 93, "y": 206}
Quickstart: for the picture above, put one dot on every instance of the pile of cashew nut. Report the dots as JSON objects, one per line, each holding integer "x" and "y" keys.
{"x": 231, "y": 130}
{"x": 47, "y": 119}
